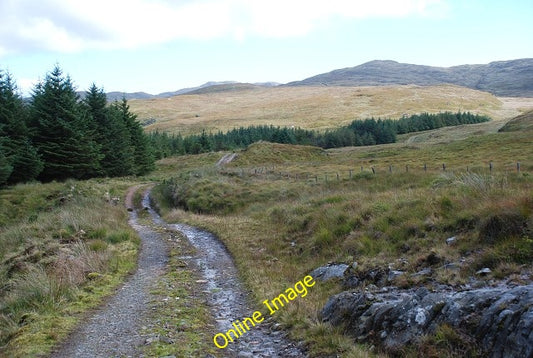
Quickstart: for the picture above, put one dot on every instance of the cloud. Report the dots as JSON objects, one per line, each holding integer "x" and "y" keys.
{"x": 76, "y": 25}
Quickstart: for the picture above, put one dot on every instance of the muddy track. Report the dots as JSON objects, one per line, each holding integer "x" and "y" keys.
{"x": 114, "y": 330}
{"x": 227, "y": 298}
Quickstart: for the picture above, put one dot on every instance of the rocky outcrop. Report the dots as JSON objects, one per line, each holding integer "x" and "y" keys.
{"x": 497, "y": 321}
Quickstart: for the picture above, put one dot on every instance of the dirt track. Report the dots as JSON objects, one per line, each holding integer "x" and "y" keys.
{"x": 114, "y": 329}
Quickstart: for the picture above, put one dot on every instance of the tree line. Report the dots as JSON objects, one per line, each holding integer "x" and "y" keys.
{"x": 358, "y": 133}
{"x": 55, "y": 135}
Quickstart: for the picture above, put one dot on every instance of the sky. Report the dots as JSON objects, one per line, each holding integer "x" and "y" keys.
{"x": 156, "y": 46}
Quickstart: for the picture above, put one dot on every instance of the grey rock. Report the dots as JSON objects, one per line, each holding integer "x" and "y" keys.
{"x": 329, "y": 272}
{"x": 451, "y": 240}
{"x": 393, "y": 274}
{"x": 498, "y": 320}
{"x": 484, "y": 271}
{"x": 425, "y": 272}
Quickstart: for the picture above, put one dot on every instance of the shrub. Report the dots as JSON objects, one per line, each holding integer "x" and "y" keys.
{"x": 502, "y": 225}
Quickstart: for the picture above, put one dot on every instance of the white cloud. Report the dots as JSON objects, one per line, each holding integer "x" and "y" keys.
{"x": 75, "y": 25}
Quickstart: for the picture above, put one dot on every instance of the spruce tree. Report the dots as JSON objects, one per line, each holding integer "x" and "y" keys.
{"x": 18, "y": 150}
{"x": 143, "y": 159}
{"x": 111, "y": 134}
{"x": 5, "y": 167}
{"x": 63, "y": 132}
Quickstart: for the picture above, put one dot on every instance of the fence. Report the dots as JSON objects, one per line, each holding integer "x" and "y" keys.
{"x": 279, "y": 173}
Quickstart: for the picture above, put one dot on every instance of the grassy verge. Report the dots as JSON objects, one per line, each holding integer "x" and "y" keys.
{"x": 279, "y": 229}
{"x": 63, "y": 247}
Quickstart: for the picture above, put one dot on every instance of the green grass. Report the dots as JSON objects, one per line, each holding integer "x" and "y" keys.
{"x": 62, "y": 249}
{"x": 179, "y": 309}
{"x": 290, "y": 224}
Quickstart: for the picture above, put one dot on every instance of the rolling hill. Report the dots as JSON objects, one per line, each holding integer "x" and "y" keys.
{"x": 504, "y": 78}
{"x": 310, "y": 107}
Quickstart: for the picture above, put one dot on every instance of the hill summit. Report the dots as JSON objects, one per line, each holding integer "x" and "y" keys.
{"x": 503, "y": 78}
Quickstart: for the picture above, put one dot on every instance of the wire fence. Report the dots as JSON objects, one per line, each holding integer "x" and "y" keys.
{"x": 311, "y": 175}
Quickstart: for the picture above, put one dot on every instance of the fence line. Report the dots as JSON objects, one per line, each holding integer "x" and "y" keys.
{"x": 276, "y": 173}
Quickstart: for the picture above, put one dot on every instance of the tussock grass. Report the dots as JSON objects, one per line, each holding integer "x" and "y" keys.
{"x": 62, "y": 249}
{"x": 285, "y": 226}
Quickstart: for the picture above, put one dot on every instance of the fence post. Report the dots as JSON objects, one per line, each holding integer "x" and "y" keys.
{"x": 518, "y": 167}
{"x": 390, "y": 168}
{"x": 490, "y": 167}
{"x": 316, "y": 178}
{"x": 443, "y": 167}
{"x": 351, "y": 171}
{"x": 425, "y": 167}
{"x": 373, "y": 170}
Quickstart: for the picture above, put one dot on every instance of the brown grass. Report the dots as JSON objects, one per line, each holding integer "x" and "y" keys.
{"x": 316, "y": 108}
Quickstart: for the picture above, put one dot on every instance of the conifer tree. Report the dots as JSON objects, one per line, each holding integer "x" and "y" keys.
{"x": 18, "y": 150}
{"x": 5, "y": 167}
{"x": 143, "y": 159}
{"x": 62, "y": 131}
{"x": 111, "y": 134}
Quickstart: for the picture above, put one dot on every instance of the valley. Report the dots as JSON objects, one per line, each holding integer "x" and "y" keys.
{"x": 445, "y": 210}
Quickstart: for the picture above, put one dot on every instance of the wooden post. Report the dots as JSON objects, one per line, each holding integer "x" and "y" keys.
{"x": 373, "y": 170}
{"x": 390, "y": 168}
{"x": 490, "y": 167}
{"x": 443, "y": 167}
{"x": 425, "y": 167}
{"x": 351, "y": 171}
{"x": 518, "y": 167}
{"x": 316, "y": 178}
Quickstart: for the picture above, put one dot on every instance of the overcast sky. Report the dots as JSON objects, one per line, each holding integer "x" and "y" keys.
{"x": 164, "y": 45}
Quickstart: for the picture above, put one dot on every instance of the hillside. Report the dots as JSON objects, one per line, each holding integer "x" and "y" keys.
{"x": 390, "y": 226}
{"x": 520, "y": 123}
{"x": 504, "y": 78}
{"x": 309, "y": 107}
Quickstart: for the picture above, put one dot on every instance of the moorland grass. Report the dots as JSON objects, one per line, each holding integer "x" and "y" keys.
{"x": 63, "y": 248}
{"x": 317, "y": 108}
{"x": 280, "y": 227}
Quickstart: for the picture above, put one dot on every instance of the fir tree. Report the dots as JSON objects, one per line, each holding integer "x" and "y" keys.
{"x": 143, "y": 159}
{"x": 111, "y": 134}
{"x": 63, "y": 132}
{"x": 5, "y": 167}
{"x": 18, "y": 150}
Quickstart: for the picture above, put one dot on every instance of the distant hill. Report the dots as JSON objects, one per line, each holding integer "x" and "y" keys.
{"x": 504, "y": 78}
{"x": 232, "y": 87}
{"x": 205, "y": 88}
